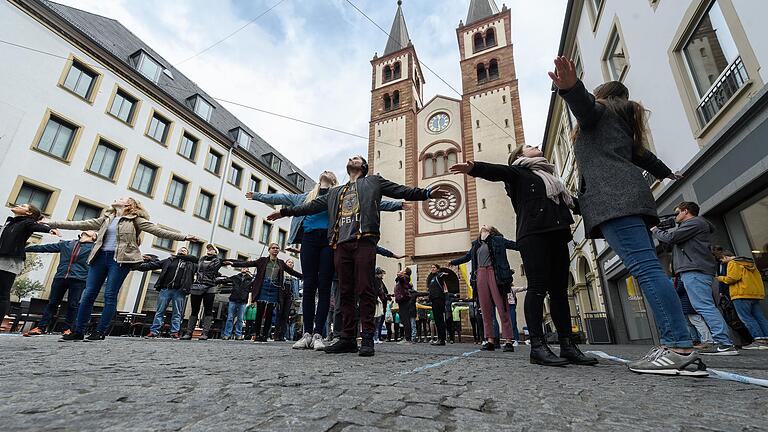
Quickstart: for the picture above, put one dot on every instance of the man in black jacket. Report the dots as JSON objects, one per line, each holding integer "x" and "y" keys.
{"x": 353, "y": 214}
{"x": 70, "y": 278}
{"x": 173, "y": 283}
{"x": 238, "y": 299}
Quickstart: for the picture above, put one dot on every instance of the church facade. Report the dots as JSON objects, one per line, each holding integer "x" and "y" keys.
{"x": 414, "y": 142}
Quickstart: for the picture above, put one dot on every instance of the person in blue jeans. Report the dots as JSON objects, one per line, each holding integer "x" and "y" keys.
{"x": 512, "y": 300}
{"x": 173, "y": 284}
{"x": 694, "y": 264}
{"x": 113, "y": 256}
{"x": 238, "y": 300}
{"x": 616, "y": 204}
{"x": 69, "y": 279}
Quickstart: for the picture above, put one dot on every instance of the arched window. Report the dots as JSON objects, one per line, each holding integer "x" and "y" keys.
{"x": 387, "y": 102}
{"x": 482, "y": 75}
{"x": 440, "y": 164}
{"x": 490, "y": 38}
{"x": 479, "y": 43}
{"x": 483, "y": 202}
{"x": 493, "y": 69}
{"x": 453, "y": 159}
{"x": 378, "y": 154}
{"x": 387, "y": 73}
{"x": 429, "y": 166}
{"x": 396, "y": 99}
{"x": 418, "y": 86}
{"x": 397, "y": 72}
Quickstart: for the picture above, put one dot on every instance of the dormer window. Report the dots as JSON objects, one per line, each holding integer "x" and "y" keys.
{"x": 273, "y": 161}
{"x": 202, "y": 107}
{"x": 146, "y": 65}
{"x": 242, "y": 138}
{"x": 297, "y": 179}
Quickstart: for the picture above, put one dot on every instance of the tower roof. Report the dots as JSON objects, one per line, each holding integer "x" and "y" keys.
{"x": 398, "y": 35}
{"x": 479, "y": 9}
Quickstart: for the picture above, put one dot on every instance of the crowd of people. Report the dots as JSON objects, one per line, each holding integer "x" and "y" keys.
{"x": 345, "y": 296}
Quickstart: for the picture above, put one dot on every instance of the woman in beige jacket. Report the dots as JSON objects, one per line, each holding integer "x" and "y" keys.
{"x": 112, "y": 257}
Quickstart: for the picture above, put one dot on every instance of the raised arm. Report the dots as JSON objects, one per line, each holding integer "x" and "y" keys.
{"x": 385, "y": 252}
{"x": 493, "y": 172}
{"x": 240, "y": 264}
{"x": 88, "y": 224}
{"x": 45, "y": 248}
{"x": 510, "y": 244}
{"x": 676, "y": 235}
{"x": 151, "y": 265}
{"x": 398, "y": 191}
{"x": 277, "y": 198}
{"x": 157, "y": 231}
{"x": 291, "y": 271}
{"x": 582, "y": 104}
{"x": 462, "y": 260}
{"x": 317, "y": 205}
{"x": 649, "y": 162}
{"x": 390, "y": 206}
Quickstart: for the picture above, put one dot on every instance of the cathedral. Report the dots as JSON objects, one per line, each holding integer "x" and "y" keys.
{"x": 414, "y": 142}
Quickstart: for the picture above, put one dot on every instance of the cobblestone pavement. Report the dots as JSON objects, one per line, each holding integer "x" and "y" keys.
{"x": 129, "y": 384}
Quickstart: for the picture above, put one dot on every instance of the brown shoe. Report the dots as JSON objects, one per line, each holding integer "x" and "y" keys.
{"x": 34, "y": 332}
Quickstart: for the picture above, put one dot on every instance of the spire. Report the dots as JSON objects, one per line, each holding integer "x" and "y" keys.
{"x": 398, "y": 36}
{"x": 479, "y": 9}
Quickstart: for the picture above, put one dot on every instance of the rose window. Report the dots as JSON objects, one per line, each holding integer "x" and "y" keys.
{"x": 443, "y": 208}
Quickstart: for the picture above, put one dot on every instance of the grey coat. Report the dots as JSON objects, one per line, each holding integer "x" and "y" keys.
{"x": 691, "y": 242}
{"x": 612, "y": 184}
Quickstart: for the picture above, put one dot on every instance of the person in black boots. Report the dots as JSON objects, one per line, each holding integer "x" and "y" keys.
{"x": 266, "y": 287}
{"x": 403, "y": 292}
{"x": 542, "y": 204}
{"x": 238, "y": 299}
{"x": 437, "y": 295}
{"x": 14, "y": 235}
{"x": 284, "y": 308}
{"x": 203, "y": 291}
{"x": 70, "y": 278}
{"x": 174, "y": 283}
{"x": 354, "y": 221}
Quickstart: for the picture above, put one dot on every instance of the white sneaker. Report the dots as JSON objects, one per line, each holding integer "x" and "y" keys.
{"x": 317, "y": 342}
{"x": 515, "y": 343}
{"x": 377, "y": 341}
{"x": 304, "y": 343}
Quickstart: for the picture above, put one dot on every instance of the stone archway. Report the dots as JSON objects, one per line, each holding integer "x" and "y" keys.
{"x": 451, "y": 280}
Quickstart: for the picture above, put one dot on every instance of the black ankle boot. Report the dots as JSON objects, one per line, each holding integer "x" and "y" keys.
{"x": 572, "y": 353}
{"x": 542, "y": 355}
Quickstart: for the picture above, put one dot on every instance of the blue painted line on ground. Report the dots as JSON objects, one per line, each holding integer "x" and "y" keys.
{"x": 713, "y": 373}
{"x": 440, "y": 363}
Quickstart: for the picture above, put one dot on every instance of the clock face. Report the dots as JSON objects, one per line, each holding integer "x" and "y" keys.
{"x": 439, "y": 122}
{"x": 443, "y": 208}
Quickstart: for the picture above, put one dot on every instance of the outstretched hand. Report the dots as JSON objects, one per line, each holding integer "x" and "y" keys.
{"x": 275, "y": 215}
{"x": 249, "y": 195}
{"x": 675, "y": 176}
{"x": 438, "y": 192}
{"x": 462, "y": 168}
{"x": 56, "y": 232}
{"x": 564, "y": 77}
{"x": 194, "y": 239}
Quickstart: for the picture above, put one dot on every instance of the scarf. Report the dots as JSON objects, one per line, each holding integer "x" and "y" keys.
{"x": 556, "y": 190}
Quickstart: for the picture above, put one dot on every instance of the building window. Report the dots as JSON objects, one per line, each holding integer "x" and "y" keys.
{"x": 80, "y": 80}
{"x": 85, "y": 211}
{"x": 164, "y": 243}
{"x": 387, "y": 73}
{"x": 266, "y": 232}
{"x": 503, "y": 99}
{"x": 401, "y": 142}
{"x": 249, "y": 221}
{"x": 396, "y": 99}
{"x": 57, "y": 138}
{"x": 254, "y": 185}
{"x": 159, "y": 128}
{"x": 396, "y": 71}
{"x": 204, "y": 205}
{"x": 482, "y": 75}
{"x": 297, "y": 180}
{"x": 714, "y": 63}
{"x": 213, "y": 163}
{"x": 123, "y": 107}
{"x": 616, "y": 56}
{"x": 195, "y": 249}
{"x": 188, "y": 146}
{"x": 482, "y": 202}
{"x": 243, "y": 257}
{"x": 281, "y": 238}
{"x": 401, "y": 164}
{"x": 452, "y": 159}
{"x": 479, "y": 147}
{"x": 490, "y": 38}
{"x": 493, "y": 70}
{"x": 235, "y": 175}
{"x": 274, "y": 162}
{"x": 202, "y": 108}
{"x": 105, "y": 160}
{"x": 146, "y": 66}
{"x": 506, "y": 122}
{"x": 144, "y": 177}
{"x": 387, "y": 105}
{"x": 477, "y": 124}
{"x": 35, "y": 195}
{"x": 177, "y": 192}
{"x": 223, "y": 253}
{"x": 479, "y": 42}
{"x": 242, "y": 139}
{"x": 227, "y": 218}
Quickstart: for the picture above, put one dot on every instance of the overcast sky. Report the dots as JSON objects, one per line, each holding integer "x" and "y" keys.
{"x": 311, "y": 59}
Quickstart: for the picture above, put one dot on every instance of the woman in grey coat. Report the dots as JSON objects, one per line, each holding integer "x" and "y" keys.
{"x": 617, "y": 204}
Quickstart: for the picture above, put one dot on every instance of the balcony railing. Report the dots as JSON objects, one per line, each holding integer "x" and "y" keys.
{"x": 734, "y": 77}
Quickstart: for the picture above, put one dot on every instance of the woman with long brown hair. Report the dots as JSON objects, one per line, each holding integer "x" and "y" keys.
{"x": 543, "y": 208}
{"x": 14, "y": 235}
{"x": 617, "y": 204}
{"x": 113, "y": 255}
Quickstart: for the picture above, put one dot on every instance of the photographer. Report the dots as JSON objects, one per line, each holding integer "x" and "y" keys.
{"x": 694, "y": 264}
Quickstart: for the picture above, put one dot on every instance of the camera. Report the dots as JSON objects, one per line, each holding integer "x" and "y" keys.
{"x": 666, "y": 221}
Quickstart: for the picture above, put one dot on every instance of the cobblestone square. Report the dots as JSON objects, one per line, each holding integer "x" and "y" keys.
{"x": 133, "y": 384}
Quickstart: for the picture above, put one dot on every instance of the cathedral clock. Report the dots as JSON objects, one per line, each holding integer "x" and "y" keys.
{"x": 439, "y": 122}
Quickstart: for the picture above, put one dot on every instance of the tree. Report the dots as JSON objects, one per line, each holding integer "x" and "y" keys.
{"x": 22, "y": 286}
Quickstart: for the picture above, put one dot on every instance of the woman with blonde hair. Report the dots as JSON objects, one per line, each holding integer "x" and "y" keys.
{"x": 114, "y": 254}
{"x": 316, "y": 256}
